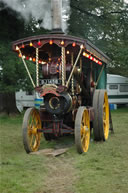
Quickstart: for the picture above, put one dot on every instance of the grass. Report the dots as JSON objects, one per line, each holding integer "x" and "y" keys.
{"x": 19, "y": 172}
{"x": 104, "y": 169}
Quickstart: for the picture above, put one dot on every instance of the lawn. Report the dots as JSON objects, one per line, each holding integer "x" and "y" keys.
{"x": 104, "y": 169}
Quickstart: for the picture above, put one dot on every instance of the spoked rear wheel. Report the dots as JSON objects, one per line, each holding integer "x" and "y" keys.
{"x": 101, "y": 115}
{"x": 31, "y": 124}
{"x": 82, "y": 130}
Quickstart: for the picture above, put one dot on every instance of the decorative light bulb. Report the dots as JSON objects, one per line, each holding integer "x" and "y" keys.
{"x": 87, "y": 55}
{"x": 17, "y": 48}
{"x": 84, "y": 53}
{"x": 100, "y": 63}
{"x": 22, "y": 45}
{"x": 74, "y": 44}
{"x": 82, "y": 46}
{"x": 33, "y": 59}
{"x": 50, "y": 42}
{"x": 31, "y": 44}
{"x": 39, "y": 43}
{"x": 62, "y": 42}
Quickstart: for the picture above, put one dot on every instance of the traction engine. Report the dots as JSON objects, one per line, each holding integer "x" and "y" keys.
{"x": 71, "y": 78}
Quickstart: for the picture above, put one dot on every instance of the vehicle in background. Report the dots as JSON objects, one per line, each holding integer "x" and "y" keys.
{"x": 117, "y": 88}
{"x": 24, "y": 99}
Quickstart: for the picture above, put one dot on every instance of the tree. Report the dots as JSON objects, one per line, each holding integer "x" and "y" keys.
{"x": 12, "y": 72}
{"x": 12, "y": 76}
{"x": 105, "y": 23}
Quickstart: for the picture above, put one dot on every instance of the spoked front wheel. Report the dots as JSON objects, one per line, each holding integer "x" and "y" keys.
{"x": 82, "y": 130}
{"x": 31, "y": 135}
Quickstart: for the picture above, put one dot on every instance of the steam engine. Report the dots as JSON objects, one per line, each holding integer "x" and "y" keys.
{"x": 68, "y": 70}
{"x": 71, "y": 77}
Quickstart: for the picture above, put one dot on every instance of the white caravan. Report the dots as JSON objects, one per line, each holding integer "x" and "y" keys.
{"x": 24, "y": 99}
{"x": 117, "y": 88}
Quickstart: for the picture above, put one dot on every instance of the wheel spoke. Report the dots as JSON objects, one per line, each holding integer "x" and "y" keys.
{"x": 31, "y": 140}
{"x": 82, "y": 138}
{"x": 104, "y": 121}
{"x": 29, "y": 131}
{"x": 35, "y": 143}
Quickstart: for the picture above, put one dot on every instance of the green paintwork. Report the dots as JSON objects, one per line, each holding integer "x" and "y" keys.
{"x": 118, "y": 96}
{"x": 103, "y": 79}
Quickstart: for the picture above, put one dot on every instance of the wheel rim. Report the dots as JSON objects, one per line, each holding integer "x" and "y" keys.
{"x": 85, "y": 131}
{"x": 33, "y": 124}
{"x": 106, "y": 116}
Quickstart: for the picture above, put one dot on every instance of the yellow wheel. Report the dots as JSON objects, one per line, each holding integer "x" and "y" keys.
{"x": 105, "y": 117}
{"x": 31, "y": 124}
{"x": 82, "y": 130}
{"x": 101, "y": 115}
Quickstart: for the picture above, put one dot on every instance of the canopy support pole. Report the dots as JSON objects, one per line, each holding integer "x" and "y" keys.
{"x": 63, "y": 65}
{"x": 37, "y": 67}
{"x": 27, "y": 69}
{"x": 72, "y": 61}
{"x": 81, "y": 48}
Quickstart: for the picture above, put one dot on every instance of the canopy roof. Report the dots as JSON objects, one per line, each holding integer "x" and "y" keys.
{"x": 50, "y": 43}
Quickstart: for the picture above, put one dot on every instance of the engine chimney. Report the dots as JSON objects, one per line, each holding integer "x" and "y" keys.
{"x": 56, "y": 6}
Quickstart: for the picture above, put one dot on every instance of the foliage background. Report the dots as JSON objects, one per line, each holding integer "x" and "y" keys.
{"x": 105, "y": 23}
